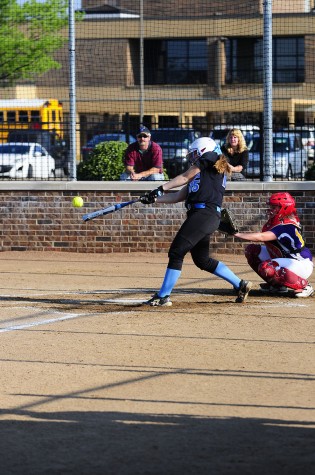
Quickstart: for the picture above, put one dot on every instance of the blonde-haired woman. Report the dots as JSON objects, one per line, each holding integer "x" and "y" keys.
{"x": 236, "y": 151}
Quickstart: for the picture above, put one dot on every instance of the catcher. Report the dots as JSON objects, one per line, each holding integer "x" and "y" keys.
{"x": 202, "y": 189}
{"x": 283, "y": 262}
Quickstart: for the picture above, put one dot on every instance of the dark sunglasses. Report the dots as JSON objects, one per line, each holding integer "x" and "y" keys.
{"x": 142, "y": 136}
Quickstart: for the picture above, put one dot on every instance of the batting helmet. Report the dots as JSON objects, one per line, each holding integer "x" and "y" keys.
{"x": 201, "y": 146}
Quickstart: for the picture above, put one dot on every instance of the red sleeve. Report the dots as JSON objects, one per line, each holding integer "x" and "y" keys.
{"x": 130, "y": 156}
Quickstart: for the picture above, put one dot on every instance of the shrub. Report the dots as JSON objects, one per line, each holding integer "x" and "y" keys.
{"x": 104, "y": 163}
{"x": 310, "y": 173}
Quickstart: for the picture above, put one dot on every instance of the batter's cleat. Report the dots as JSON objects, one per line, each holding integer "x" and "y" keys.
{"x": 306, "y": 292}
{"x": 243, "y": 291}
{"x": 157, "y": 301}
{"x": 272, "y": 289}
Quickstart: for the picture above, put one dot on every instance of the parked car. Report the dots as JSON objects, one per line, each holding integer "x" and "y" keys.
{"x": 20, "y": 160}
{"x": 289, "y": 156}
{"x": 175, "y": 144}
{"x": 91, "y": 144}
{"x": 308, "y": 138}
{"x": 55, "y": 146}
{"x": 219, "y": 133}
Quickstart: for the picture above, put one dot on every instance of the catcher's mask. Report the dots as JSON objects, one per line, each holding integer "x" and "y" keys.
{"x": 284, "y": 201}
{"x": 281, "y": 205}
{"x": 199, "y": 147}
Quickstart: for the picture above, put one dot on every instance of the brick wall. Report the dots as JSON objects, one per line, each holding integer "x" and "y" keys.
{"x": 90, "y": 54}
{"x": 41, "y": 220}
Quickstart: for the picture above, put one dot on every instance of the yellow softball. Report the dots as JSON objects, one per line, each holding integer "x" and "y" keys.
{"x": 77, "y": 202}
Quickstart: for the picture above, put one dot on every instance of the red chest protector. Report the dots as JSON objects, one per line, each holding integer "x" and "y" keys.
{"x": 273, "y": 221}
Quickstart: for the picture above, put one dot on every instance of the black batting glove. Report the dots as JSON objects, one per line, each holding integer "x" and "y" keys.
{"x": 156, "y": 193}
{"x": 146, "y": 199}
{"x": 151, "y": 197}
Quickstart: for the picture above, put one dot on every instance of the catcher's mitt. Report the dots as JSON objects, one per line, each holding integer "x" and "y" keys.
{"x": 227, "y": 224}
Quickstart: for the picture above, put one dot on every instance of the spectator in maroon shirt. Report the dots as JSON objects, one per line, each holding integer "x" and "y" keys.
{"x": 143, "y": 159}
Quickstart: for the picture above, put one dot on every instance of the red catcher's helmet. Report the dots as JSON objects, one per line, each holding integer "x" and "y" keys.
{"x": 282, "y": 211}
{"x": 285, "y": 201}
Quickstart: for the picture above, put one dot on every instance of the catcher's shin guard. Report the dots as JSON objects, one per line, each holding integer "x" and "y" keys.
{"x": 291, "y": 280}
{"x": 281, "y": 276}
{"x": 267, "y": 270}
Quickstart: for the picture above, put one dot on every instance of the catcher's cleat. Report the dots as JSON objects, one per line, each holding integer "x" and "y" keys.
{"x": 157, "y": 301}
{"x": 306, "y": 292}
{"x": 272, "y": 289}
{"x": 243, "y": 291}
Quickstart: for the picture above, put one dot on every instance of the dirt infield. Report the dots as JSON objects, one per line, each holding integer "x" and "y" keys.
{"x": 94, "y": 383}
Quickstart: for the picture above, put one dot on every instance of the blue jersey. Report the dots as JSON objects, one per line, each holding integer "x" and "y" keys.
{"x": 290, "y": 242}
{"x": 208, "y": 186}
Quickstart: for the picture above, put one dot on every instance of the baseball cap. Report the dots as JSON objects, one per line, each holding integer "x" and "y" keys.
{"x": 144, "y": 130}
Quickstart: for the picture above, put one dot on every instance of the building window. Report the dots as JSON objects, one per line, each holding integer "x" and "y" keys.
{"x": 245, "y": 60}
{"x": 288, "y": 60}
{"x": 175, "y": 61}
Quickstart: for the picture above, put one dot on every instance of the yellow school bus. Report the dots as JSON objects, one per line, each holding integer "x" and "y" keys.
{"x": 43, "y": 114}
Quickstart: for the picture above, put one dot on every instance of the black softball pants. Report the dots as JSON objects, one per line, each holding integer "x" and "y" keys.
{"x": 194, "y": 237}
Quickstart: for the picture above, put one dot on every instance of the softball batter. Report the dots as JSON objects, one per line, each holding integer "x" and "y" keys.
{"x": 203, "y": 186}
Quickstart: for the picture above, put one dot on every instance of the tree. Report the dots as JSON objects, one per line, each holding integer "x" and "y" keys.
{"x": 29, "y": 35}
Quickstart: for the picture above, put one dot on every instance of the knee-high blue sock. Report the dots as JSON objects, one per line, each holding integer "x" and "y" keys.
{"x": 225, "y": 273}
{"x": 170, "y": 279}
